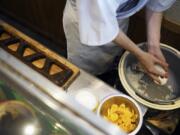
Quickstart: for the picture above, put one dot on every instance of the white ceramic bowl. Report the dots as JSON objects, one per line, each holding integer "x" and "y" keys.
{"x": 119, "y": 99}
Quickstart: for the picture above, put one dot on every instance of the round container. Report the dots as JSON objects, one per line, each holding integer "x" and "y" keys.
{"x": 87, "y": 99}
{"x": 121, "y": 99}
{"x": 166, "y": 97}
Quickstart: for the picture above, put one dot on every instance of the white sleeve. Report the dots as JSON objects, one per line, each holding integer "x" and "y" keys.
{"x": 97, "y": 21}
{"x": 160, "y": 5}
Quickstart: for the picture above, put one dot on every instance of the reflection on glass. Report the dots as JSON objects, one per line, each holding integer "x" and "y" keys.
{"x": 39, "y": 123}
{"x": 31, "y": 129}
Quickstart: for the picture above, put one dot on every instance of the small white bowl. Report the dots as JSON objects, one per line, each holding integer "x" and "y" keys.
{"x": 119, "y": 99}
{"x": 87, "y": 99}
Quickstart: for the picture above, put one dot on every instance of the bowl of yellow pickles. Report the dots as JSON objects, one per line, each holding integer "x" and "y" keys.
{"x": 123, "y": 111}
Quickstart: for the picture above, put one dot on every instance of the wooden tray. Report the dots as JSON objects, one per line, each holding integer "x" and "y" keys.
{"x": 37, "y": 56}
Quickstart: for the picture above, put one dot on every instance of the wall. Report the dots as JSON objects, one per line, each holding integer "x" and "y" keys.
{"x": 42, "y": 16}
{"x": 137, "y": 31}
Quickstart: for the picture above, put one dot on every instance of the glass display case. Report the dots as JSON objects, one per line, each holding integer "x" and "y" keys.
{"x": 23, "y": 91}
{"x": 37, "y": 88}
{"x": 48, "y": 124}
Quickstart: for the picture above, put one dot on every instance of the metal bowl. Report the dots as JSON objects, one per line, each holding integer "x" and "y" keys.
{"x": 166, "y": 97}
{"x": 119, "y": 99}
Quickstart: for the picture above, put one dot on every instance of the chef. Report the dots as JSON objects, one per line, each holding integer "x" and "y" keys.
{"x": 96, "y": 33}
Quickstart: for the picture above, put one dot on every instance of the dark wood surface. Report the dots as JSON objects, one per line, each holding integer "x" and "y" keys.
{"x": 42, "y": 16}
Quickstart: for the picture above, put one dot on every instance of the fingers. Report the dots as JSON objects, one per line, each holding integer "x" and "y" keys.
{"x": 158, "y": 80}
{"x": 150, "y": 64}
{"x": 155, "y": 72}
{"x": 162, "y": 58}
{"x": 162, "y": 63}
{"x": 159, "y": 57}
{"x": 156, "y": 51}
{"x": 155, "y": 78}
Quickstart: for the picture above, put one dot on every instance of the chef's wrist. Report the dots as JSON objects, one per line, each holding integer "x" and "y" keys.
{"x": 153, "y": 45}
{"x": 139, "y": 53}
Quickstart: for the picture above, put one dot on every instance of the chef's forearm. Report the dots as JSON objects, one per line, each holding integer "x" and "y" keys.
{"x": 153, "y": 22}
{"x": 125, "y": 42}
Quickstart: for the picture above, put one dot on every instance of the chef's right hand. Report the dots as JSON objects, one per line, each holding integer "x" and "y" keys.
{"x": 149, "y": 61}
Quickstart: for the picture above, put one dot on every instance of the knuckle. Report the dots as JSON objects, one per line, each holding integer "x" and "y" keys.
{"x": 150, "y": 70}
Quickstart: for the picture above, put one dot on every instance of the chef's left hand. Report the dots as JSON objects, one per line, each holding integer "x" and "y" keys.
{"x": 155, "y": 50}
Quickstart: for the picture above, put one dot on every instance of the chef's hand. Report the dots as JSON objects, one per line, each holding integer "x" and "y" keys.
{"x": 148, "y": 62}
{"x": 156, "y": 52}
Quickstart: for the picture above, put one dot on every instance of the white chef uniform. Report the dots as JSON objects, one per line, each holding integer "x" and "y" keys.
{"x": 91, "y": 25}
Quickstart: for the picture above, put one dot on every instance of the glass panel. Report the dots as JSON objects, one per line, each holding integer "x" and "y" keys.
{"x": 49, "y": 126}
